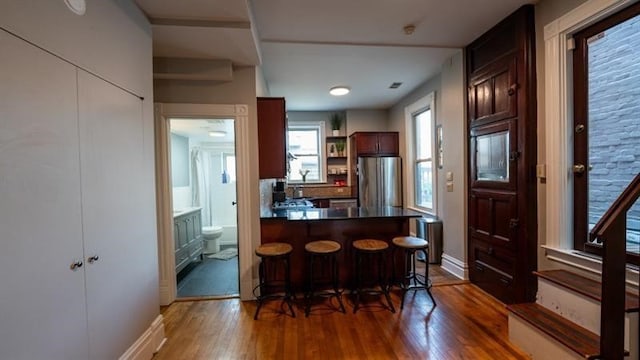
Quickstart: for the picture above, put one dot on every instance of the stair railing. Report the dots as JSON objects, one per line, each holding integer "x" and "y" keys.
{"x": 611, "y": 231}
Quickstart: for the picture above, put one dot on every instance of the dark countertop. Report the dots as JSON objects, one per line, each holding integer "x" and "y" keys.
{"x": 337, "y": 214}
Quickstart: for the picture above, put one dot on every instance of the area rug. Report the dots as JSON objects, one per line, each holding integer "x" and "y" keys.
{"x": 225, "y": 254}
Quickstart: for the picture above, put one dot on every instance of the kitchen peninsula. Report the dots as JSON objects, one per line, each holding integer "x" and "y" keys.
{"x": 298, "y": 227}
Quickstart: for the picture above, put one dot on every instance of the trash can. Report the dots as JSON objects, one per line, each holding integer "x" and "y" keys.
{"x": 430, "y": 229}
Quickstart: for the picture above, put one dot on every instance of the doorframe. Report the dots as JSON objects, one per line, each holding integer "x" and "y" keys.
{"x": 166, "y": 261}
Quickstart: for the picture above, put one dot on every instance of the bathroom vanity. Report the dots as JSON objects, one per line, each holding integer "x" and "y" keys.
{"x": 187, "y": 229}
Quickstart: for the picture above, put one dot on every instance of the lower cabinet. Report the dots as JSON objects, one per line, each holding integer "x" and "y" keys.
{"x": 187, "y": 230}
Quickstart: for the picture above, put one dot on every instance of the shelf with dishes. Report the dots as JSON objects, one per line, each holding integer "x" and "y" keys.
{"x": 337, "y": 171}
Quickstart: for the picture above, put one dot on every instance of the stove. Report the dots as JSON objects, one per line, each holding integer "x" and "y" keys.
{"x": 292, "y": 204}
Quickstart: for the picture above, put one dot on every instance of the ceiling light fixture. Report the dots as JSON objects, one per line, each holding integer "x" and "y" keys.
{"x": 217, "y": 133}
{"x": 79, "y": 7}
{"x": 339, "y": 90}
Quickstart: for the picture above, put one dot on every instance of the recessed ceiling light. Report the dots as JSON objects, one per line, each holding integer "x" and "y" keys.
{"x": 339, "y": 90}
{"x": 77, "y": 6}
{"x": 217, "y": 133}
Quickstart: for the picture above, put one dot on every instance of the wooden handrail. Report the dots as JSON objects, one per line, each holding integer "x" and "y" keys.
{"x": 611, "y": 230}
{"x": 619, "y": 207}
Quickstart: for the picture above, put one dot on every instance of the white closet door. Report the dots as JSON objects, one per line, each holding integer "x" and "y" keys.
{"x": 111, "y": 148}
{"x": 42, "y": 302}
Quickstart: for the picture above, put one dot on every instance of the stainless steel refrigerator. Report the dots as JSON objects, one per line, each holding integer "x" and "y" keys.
{"x": 380, "y": 181}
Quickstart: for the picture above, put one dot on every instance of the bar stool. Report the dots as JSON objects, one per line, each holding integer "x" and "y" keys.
{"x": 411, "y": 279}
{"x": 373, "y": 250}
{"x": 270, "y": 255}
{"x": 323, "y": 250}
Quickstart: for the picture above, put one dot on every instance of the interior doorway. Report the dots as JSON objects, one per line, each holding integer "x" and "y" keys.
{"x": 203, "y": 178}
{"x": 246, "y": 201}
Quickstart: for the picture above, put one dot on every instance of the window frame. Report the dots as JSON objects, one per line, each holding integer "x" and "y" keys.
{"x": 580, "y": 148}
{"x": 318, "y": 126}
{"x": 423, "y": 104}
{"x": 556, "y": 216}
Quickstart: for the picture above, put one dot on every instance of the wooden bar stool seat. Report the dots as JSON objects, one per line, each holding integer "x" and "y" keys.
{"x": 411, "y": 280}
{"x": 326, "y": 250}
{"x": 375, "y": 251}
{"x": 272, "y": 254}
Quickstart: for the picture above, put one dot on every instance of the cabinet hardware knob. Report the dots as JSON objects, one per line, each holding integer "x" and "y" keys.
{"x": 579, "y": 128}
{"x": 513, "y": 223}
{"x": 512, "y": 89}
{"x": 490, "y": 250}
{"x": 76, "y": 265}
{"x": 93, "y": 259}
{"x": 578, "y": 169}
{"x": 234, "y": 202}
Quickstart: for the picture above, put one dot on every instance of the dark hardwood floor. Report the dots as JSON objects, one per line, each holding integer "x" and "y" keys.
{"x": 466, "y": 324}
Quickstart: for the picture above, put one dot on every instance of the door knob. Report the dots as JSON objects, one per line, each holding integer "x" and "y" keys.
{"x": 93, "y": 259}
{"x": 578, "y": 169}
{"x": 76, "y": 265}
{"x": 233, "y": 202}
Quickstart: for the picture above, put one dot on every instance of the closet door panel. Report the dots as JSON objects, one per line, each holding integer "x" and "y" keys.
{"x": 42, "y": 301}
{"x": 112, "y": 164}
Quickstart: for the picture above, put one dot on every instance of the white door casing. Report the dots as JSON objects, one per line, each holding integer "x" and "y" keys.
{"x": 239, "y": 112}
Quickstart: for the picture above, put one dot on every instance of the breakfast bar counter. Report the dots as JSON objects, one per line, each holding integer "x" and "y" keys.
{"x": 300, "y": 226}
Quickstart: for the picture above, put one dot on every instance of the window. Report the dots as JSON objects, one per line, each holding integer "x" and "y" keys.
{"x": 423, "y": 160}
{"x": 420, "y": 125}
{"x": 606, "y": 128}
{"x": 305, "y": 146}
{"x": 228, "y": 168}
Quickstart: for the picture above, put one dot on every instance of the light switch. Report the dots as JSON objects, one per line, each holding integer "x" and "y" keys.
{"x": 449, "y": 176}
{"x": 449, "y": 186}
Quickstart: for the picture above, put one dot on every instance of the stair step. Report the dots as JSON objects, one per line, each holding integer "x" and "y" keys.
{"x": 587, "y": 287}
{"x": 578, "y": 339}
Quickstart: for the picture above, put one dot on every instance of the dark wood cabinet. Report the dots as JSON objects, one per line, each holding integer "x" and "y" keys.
{"x": 375, "y": 143}
{"x": 272, "y": 142}
{"x": 370, "y": 143}
{"x": 502, "y": 236}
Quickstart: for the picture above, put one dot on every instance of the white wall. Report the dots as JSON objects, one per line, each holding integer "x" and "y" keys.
{"x": 366, "y": 120}
{"x": 113, "y": 41}
{"x": 450, "y": 104}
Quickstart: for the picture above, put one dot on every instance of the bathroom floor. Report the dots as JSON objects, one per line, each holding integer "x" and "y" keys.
{"x": 210, "y": 277}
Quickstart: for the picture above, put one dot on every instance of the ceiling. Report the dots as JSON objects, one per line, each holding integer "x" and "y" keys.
{"x": 305, "y": 47}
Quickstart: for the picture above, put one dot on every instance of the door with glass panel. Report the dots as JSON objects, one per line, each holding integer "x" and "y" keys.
{"x": 606, "y": 128}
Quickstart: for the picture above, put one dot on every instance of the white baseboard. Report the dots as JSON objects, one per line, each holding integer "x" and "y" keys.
{"x": 148, "y": 343}
{"x": 455, "y": 267}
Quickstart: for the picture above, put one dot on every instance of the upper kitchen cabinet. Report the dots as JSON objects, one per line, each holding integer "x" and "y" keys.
{"x": 374, "y": 144}
{"x": 272, "y": 146}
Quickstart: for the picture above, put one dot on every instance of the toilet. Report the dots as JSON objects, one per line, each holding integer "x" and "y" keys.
{"x": 210, "y": 235}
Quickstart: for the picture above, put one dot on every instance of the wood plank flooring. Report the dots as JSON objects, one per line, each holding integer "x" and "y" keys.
{"x": 466, "y": 324}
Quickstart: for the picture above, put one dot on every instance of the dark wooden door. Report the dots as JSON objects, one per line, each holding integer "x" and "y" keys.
{"x": 502, "y": 236}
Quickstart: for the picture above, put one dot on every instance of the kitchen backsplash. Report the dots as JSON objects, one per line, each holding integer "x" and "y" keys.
{"x": 322, "y": 191}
